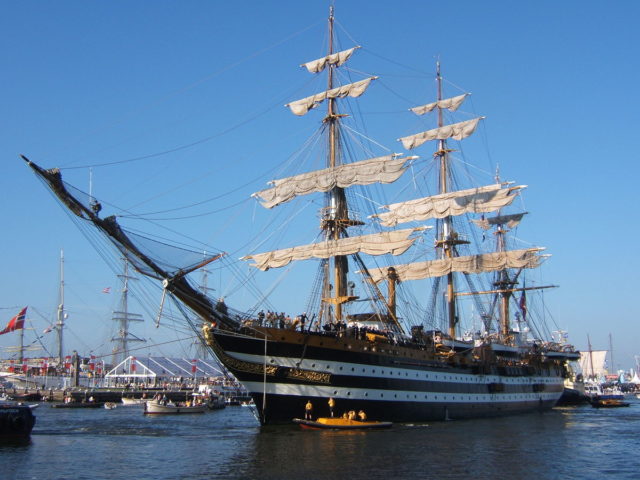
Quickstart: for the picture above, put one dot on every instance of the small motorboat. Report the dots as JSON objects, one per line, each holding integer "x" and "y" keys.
{"x": 78, "y": 405}
{"x": 129, "y": 401}
{"x": 152, "y": 407}
{"x": 608, "y": 403}
{"x": 110, "y": 405}
{"x": 340, "y": 424}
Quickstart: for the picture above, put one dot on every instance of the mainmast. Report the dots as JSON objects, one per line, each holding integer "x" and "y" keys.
{"x": 448, "y": 237}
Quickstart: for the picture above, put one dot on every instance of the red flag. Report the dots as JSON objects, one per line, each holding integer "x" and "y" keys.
{"x": 106, "y": 290}
{"x": 16, "y": 323}
{"x": 523, "y": 305}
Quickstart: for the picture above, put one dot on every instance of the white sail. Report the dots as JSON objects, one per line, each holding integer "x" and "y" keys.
{"x": 457, "y": 131}
{"x": 395, "y": 243}
{"x": 487, "y": 262}
{"x": 450, "y": 104}
{"x": 336, "y": 59}
{"x": 385, "y": 169}
{"x": 475, "y": 200}
{"x": 593, "y": 363}
{"x": 301, "y": 107}
{"x": 510, "y": 221}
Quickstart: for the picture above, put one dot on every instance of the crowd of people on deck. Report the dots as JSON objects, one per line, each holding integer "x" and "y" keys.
{"x": 280, "y": 320}
{"x": 301, "y": 323}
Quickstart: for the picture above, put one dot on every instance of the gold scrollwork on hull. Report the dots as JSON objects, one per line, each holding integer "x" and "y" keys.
{"x": 309, "y": 375}
{"x": 257, "y": 368}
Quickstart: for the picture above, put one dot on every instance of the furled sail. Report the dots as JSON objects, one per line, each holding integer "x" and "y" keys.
{"x": 475, "y": 200}
{"x": 395, "y": 243}
{"x": 450, "y": 104}
{"x": 457, "y": 131}
{"x": 510, "y": 221}
{"x": 384, "y": 169}
{"x": 336, "y": 59}
{"x": 488, "y": 262}
{"x": 301, "y": 107}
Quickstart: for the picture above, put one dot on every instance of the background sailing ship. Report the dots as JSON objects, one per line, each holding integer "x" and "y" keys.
{"x": 403, "y": 354}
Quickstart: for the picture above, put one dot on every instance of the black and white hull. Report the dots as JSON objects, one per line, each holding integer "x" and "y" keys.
{"x": 390, "y": 382}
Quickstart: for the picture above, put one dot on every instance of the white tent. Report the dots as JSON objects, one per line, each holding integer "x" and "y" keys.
{"x": 159, "y": 369}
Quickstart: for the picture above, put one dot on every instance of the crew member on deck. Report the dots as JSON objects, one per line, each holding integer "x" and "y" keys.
{"x": 332, "y": 403}
{"x": 362, "y": 416}
{"x": 308, "y": 410}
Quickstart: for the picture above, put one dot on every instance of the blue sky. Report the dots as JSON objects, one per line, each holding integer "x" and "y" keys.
{"x": 88, "y": 83}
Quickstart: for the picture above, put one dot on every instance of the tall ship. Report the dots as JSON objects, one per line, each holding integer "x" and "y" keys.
{"x": 416, "y": 312}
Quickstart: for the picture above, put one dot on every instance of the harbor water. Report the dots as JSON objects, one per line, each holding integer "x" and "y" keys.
{"x": 565, "y": 443}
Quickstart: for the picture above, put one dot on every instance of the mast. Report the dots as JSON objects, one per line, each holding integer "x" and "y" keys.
{"x": 336, "y": 218}
{"x": 448, "y": 238}
{"x": 124, "y": 317}
{"x": 21, "y": 351}
{"x": 61, "y": 314}
{"x": 613, "y": 367}
{"x": 590, "y": 357}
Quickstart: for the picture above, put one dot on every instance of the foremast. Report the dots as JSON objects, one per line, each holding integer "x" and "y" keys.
{"x": 337, "y": 245}
{"x": 335, "y": 220}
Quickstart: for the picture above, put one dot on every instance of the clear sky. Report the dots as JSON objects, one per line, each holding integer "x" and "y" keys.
{"x": 197, "y": 88}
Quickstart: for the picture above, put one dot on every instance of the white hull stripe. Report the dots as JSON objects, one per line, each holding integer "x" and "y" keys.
{"x": 316, "y": 391}
{"x": 375, "y": 371}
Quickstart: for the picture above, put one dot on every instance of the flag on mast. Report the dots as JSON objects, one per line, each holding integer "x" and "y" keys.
{"x": 16, "y": 323}
{"x": 523, "y": 303}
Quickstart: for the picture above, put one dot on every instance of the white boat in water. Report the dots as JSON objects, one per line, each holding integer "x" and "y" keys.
{"x": 128, "y": 402}
{"x": 152, "y": 407}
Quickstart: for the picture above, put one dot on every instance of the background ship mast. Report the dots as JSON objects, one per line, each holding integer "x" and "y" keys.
{"x": 124, "y": 317}
{"x": 61, "y": 314}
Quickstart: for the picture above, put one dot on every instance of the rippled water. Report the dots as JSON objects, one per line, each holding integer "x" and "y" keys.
{"x": 566, "y": 443}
